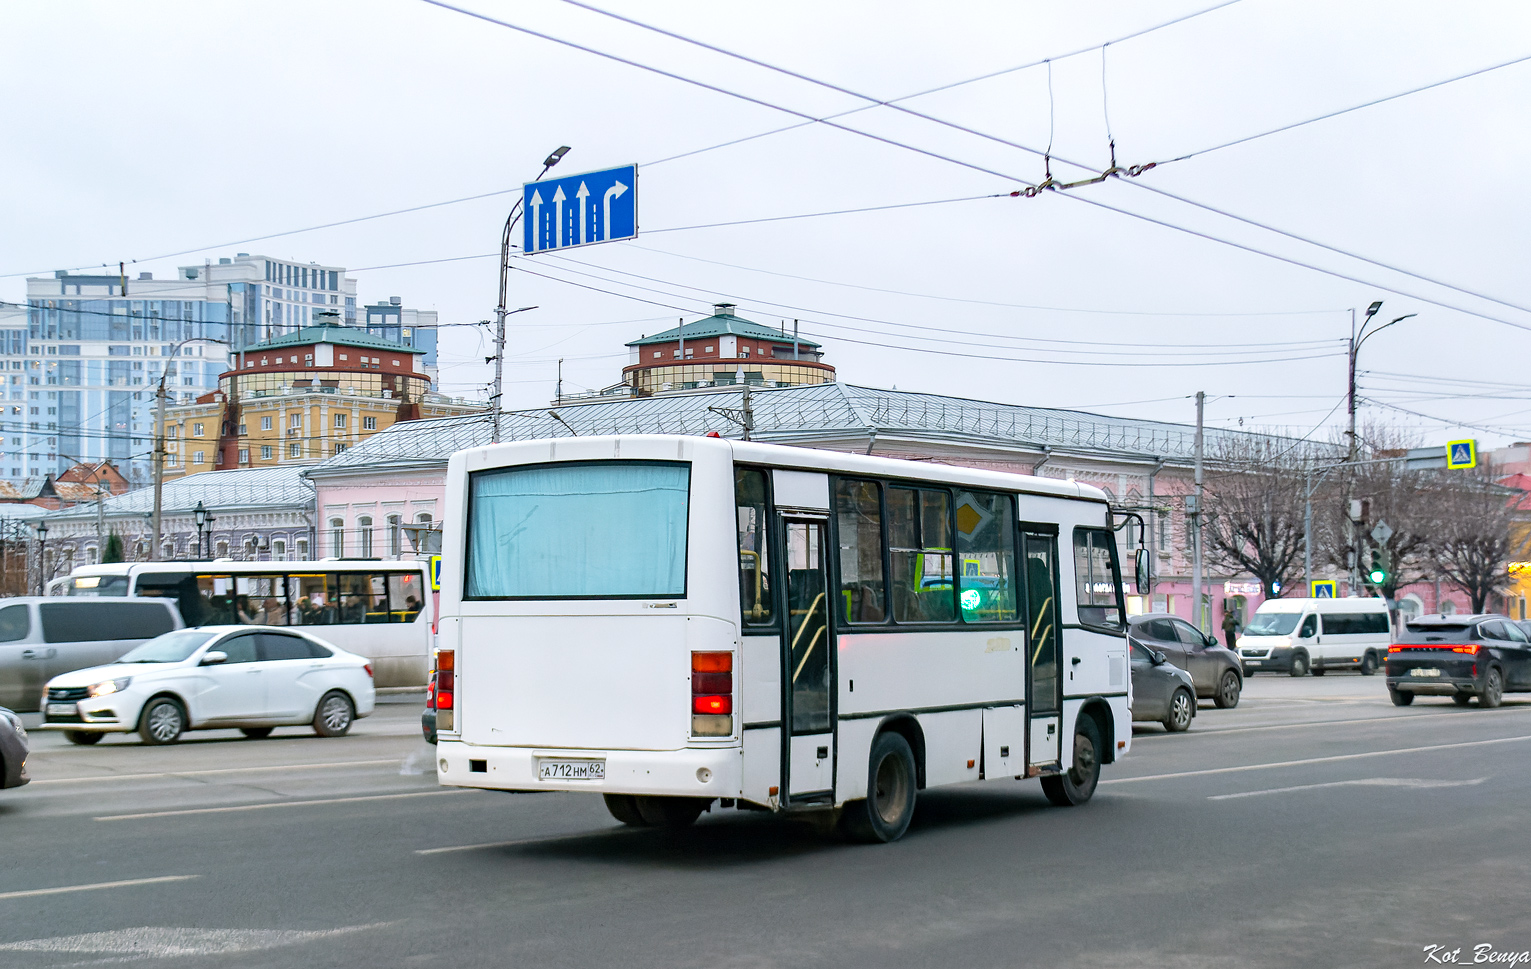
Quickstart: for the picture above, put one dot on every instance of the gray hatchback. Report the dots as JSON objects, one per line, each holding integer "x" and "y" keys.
{"x": 1214, "y": 667}
{"x": 1161, "y": 691}
{"x": 14, "y": 748}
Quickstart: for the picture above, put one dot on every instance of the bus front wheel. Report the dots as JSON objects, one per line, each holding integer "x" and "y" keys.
{"x": 884, "y": 814}
{"x": 1077, "y": 784}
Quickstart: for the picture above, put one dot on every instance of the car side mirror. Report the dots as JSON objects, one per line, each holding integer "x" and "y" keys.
{"x": 1159, "y": 659}
{"x": 213, "y": 657}
{"x": 1142, "y": 575}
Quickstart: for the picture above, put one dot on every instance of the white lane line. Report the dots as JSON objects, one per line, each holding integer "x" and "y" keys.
{"x": 263, "y": 805}
{"x": 1422, "y": 717}
{"x": 213, "y": 772}
{"x": 99, "y": 885}
{"x": 1414, "y": 782}
{"x": 1313, "y": 760}
{"x": 603, "y": 833}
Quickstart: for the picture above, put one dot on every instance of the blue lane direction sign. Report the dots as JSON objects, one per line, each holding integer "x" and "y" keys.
{"x": 1324, "y": 589}
{"x": 580, "y": 210}
{"x": 1461, "y": 455}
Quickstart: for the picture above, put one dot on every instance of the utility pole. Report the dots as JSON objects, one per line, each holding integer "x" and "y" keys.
{"x": 500, "y": 313}
{"x": 159, "y": 460}
{"x": 1196, "y": 516}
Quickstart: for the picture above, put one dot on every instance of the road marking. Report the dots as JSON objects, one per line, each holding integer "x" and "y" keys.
{"x": 213, "y": 771}
{"x": 99, "y": 885}
{"x": 1312, "y": 760}
{"x": 149, "y": 942}
{"x": 603, "y": 833}
{"x": 1414, "y": 782}
{"x": 1423, "y": 717}
{"x": 263, "y": 805}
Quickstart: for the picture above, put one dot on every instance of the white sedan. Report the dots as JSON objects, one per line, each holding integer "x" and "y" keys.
{"x": 214, "y": 677}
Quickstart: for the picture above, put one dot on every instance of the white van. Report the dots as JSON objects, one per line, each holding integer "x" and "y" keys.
{"x": 1298, "y": 635}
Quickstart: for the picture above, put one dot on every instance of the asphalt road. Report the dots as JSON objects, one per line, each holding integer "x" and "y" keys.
{"x": 1316, "y": 825}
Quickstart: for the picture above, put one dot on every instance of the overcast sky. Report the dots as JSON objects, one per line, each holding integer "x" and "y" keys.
{"x": 132, "y": 130}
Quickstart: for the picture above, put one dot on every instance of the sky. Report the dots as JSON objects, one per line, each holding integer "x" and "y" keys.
{"x": 135, "y": 131}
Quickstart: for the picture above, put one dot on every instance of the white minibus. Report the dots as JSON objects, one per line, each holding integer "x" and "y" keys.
{"x": 380, "y": 610}
{"x": 683, "y": 622}
{"x": 1298, "y": 636}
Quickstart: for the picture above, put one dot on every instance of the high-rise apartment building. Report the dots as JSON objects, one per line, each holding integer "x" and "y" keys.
{"x": 81, "y": 367}
{"x": 397, "y": 323}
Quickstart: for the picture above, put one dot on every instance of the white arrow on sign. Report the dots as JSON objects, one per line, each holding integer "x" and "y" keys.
{"x": 536, "y": 205}
{"x": 615, "y": 192}
{"x": 584, "y": 214}
{"x": 560, "y": 237}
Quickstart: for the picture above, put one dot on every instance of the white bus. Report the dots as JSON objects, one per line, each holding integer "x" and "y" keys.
{"x": 380, "y": 610}
{"x": 679, "y": 621}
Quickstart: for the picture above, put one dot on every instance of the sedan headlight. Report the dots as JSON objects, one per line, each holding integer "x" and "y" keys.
{"x": 107, "y": 687}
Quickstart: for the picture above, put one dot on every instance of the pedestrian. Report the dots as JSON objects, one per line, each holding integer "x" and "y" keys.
{"x": 1231, "y": 627}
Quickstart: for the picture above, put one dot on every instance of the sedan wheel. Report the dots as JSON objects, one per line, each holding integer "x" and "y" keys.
{"x": 83, "y": 737}
{"x": 1228, "y": 691}
{"x": 334, "y": 715}
{"x": 1493, "y": 688}
{"x": 163, "y": 722}
{"x": 1181, "y": 711}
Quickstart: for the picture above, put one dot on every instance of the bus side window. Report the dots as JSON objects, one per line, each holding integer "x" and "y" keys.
{"x": 986, "y": 557}
{"x": 363, "y": 598}
{"x": 1096, "y": 582}
{"x": 313, "y": 599}
{"x": 920, "y": 539}
{"x": 404, "y": 596}
{"x": 858, "y": 520}
{"x": 754, "y": 554}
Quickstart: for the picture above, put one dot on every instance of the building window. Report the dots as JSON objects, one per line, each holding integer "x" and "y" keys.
{"x": 338, "y": 537}
{"x": 294, "y": 450}
{"x": 296, "y": 420}
{"x": 423, "y": 518}
{"x": 199, "y": 457}
{"x": 223, "y": 549}
{"x": 364, "y": 535}
{"x": 196, "y": 430}
{"x": 265, "y": 452}
{"x": 369, "y": 423}
{"x": 278, "y": 550}
{"x": 243, "y": 430}
{"x": 302, "y": 548}
{"x": 393, "y": 536}
{"x": 340, "y": 420}
{"x": 339, "y": 448}
{"x": 265, "y": 423}
{"x": 244, "y": 455}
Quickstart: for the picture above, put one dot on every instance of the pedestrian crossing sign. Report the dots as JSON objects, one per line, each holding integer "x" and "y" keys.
{"x": 1461, "y": 455}
{"x": 1323, "y": 589}
{"x": 435, "y": 573}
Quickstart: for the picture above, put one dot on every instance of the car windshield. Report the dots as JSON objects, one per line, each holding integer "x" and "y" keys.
{"x": 1272, "y": 624}
{"x": 169, "y": 648}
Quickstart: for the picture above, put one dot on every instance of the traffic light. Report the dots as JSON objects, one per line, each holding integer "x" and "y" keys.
{"x": 1382, "y": 566}
{"x": 1378, "y": 575}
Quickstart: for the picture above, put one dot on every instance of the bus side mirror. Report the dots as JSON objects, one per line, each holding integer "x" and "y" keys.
{"x": 1142, "y": 577}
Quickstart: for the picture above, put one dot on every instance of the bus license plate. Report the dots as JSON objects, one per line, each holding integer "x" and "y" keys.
{"x": 61, "y": 710}
{"x": 1424, "y": 672}
{"x": 571, "y": 770}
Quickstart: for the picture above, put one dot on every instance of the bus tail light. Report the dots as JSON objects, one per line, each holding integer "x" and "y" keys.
{"x": 712, "y": 694}
{"x": 446, "y": 689}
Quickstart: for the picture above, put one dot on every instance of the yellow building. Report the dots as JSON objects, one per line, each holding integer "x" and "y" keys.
{"x": 300, "y": 399}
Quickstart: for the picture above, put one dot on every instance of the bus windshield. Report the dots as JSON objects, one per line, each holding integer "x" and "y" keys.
{"x": 613, "y": 529}
{"x": 1272, "y": 624}
{"x": 93, "y": 585}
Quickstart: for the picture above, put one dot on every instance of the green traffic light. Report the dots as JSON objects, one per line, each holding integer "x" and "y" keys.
{"x": 1378, "y": 576}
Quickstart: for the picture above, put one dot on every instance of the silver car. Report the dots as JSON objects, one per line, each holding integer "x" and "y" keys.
{"x": 13, "y": 750}
{"x": 44, "y": 636}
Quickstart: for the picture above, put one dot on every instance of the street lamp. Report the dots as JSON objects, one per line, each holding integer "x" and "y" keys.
{"x": 199, "y": 515}
{"x": 1356, "y": 339}
{"x": 42, "y": 551}
{"x": 499, "y": 313}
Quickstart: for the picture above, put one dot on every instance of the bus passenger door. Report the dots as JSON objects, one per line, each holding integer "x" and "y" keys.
{"x": 808, "y": 658}
{"x": 1044, "y": 694}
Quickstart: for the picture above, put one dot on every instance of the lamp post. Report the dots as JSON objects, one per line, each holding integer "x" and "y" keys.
{"x": 42, "y": 552}
{"x": 1356, "y": 339}
{"x": 199, "y": 515}
{"x": 499, "y": 313}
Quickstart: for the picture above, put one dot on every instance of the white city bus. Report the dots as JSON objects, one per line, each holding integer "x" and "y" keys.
{"x": 679, "y": 621}
{"x": 380, "y": 610}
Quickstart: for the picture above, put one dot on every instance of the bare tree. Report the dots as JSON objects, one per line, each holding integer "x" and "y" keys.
{"x": 1391, "y": 494}
{"x": 1480, "y": 529}
{"x": 1254, "y": 504}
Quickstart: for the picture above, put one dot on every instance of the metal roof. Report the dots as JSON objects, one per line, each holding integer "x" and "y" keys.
{"x": 349, "y": 336}
{"x": 721, "y": 324}
{"x": 812, "y": 414}
{"x": 276, "y": 489}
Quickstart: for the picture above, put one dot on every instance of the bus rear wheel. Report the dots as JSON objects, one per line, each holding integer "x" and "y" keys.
{"x": 1077, "y": 784}
{"x": 670, "y": 812}
{"x": 884, "y": 814}
{"x": 624, "y": 807}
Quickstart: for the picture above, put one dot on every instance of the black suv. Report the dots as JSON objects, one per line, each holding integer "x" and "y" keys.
{"x": 1461, "y": 657}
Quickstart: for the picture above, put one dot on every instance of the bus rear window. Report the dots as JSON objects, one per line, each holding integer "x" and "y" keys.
{"x": 599, "y": 530}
